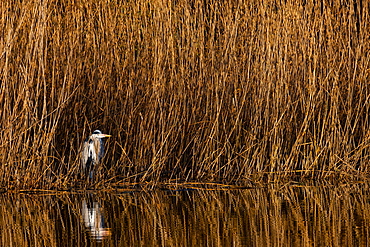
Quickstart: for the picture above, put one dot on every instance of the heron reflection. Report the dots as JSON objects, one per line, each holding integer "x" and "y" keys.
{"x": 94, "y": 220}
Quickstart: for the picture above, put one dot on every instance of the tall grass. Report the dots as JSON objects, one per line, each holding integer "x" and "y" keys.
{"x": 190, "y": 90}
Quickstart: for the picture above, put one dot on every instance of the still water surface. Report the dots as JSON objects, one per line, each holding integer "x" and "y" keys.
{"x": 270, "y": 216}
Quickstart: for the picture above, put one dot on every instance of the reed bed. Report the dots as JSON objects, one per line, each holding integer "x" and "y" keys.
{"x": 190, "y": 90}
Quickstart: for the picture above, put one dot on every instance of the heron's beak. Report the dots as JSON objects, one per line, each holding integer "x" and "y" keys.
{"x": 103, "y": 135}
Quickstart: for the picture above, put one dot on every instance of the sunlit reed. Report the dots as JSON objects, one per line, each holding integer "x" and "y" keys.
{"x": 189, "y": 90}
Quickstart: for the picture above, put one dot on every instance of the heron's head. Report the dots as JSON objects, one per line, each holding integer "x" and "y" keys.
{"x": 98, "y": 134}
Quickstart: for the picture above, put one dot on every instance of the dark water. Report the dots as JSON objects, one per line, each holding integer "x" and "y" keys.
{"x": 271, "y": 216}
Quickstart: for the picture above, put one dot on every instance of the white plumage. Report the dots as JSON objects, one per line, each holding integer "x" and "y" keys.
{"x": 92, "y": 152}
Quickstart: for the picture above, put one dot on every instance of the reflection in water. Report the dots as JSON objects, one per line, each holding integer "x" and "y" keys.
{"x": 93, "y": 217}
{"x": 272, "y": 216}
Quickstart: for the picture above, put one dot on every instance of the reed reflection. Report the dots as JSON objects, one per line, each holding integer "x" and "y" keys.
{"x": 271, "y": 216}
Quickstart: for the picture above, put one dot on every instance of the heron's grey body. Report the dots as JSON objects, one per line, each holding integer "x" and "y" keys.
{"x": 92, "y": 152}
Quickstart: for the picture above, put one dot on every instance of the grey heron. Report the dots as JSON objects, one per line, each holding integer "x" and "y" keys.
{"x": 92, "y": 152}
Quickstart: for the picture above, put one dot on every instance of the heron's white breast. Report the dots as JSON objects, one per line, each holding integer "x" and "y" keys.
{"x": 92, "y": 152}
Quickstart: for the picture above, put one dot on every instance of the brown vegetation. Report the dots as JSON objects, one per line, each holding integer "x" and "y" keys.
{"x": 190, "y": 90}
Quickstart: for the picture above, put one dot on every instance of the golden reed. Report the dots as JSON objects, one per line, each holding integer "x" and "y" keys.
{"x": 189, "y": 90}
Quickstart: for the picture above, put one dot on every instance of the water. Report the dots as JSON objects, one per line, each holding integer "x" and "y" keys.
{"x": 271, "y": 216}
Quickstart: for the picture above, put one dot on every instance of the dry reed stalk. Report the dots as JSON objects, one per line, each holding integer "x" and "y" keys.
{"x": 196, "y": 91}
